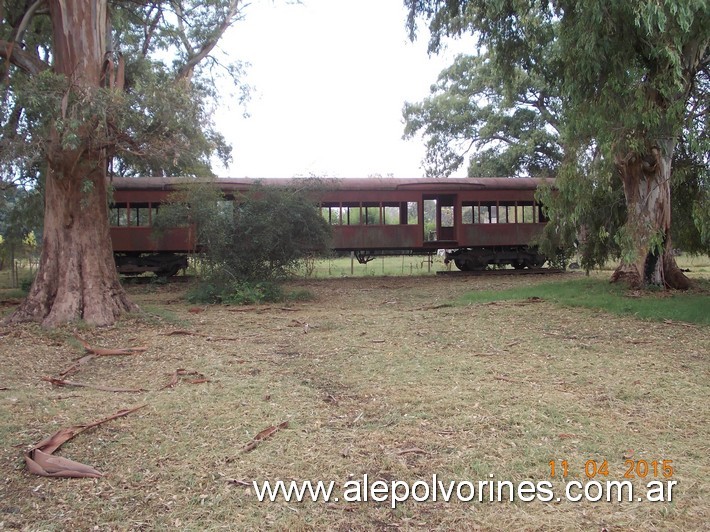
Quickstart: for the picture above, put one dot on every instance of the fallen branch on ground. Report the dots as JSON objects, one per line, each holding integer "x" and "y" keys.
{"x": 507, "y": 379}
{"x": 61, "y": 382}
{"x": 182, "y": 373}
{"x": 183, "y": 332}
{"x": 413, "y": 450}
{"x": 264, "y": 434}
{"x": 110, "y": 352}
{"x": 76, "y": 366}
{"x": 93, "y": 352}
{"x": 41, "y": 461}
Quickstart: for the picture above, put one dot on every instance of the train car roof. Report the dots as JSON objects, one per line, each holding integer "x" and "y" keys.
{"x": 331, "y": 183}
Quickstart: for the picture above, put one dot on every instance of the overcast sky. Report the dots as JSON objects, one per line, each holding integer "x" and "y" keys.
{"x": 329, "y": 78}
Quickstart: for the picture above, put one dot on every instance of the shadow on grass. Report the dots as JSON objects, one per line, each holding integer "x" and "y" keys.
{"x": 692, "y": 306}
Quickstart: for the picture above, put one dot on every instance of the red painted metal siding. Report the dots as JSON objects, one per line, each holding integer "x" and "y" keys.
{"x": 474, "y": 235}
{"x": 362, "y": 237}
{"x": 141, "y": 239}
{"x": 336, "y": 192}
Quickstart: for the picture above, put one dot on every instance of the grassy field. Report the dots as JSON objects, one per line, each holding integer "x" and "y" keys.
{"x": 396, "y": 378}
{"x": 415, "y": 265}
{"x": 418, "y": 265}
{"x": 596, "y": 293}
{"x": 405, "y": 265}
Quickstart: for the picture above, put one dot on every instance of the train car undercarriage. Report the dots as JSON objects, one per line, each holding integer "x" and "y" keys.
{"x": 519, "y": 257}
{"x": 162, "y": 264}
{"x": 467, "y": 259}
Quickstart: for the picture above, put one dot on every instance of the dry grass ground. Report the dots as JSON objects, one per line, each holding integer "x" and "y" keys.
{"x": 388, "y": 381}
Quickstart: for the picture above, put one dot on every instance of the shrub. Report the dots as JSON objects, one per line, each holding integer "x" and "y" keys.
{"x": 249, "y": 245}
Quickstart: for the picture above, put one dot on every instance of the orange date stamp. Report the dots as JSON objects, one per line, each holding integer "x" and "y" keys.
{"x": 632, "y": 468}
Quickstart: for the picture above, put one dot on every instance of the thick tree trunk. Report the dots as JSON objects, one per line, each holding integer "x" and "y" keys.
{"x": 77, "y": 277}
{"x": 648, "y": 200}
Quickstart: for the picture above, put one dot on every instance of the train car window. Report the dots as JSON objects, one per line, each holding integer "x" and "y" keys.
{"x": 487, "y": 213}
{"x": 332, "y": 214}
{"x": 412, "y": 212}
{"x": 528, "y": 214}
{"x": 525, "y": 213}
{"x": 477, "y": 214}
{"x": 429, "y": 220}
{"x": 467, "y": 214}
{"x": 153, "y": 212}
{"x": 447, "y": 216}
{"x": 372, "y": 214}
{"x": 139, "y": 215}
{"x": 351, "y": 214}
{"x": 513, "y": 215}
{"x": 118, "y": 214}
{"x": 506, "y": 212}
{"x": 226, "y": 208}
{"x": 392, "y": 214}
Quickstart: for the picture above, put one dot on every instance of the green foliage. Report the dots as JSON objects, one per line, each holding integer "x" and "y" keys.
{"x": 20, "y": 214}
{"x": 157, "y": 120}
{"x": 691, "y": 175}
{"x": 198, "y": 203}
{"x": 585, "y": 217}
{"x": 275, "y": 231}
{"x": 510, "y": 130}
{"x": 20, "y": 223}
{"x": 629, "y": 83}
{"x": 172, "y": 127}
{"x": 236, "y": 292}
{"x": 249, "y": 245}
{"x": 26, "y": 284}
{"x": 598, "y": 294}
{"x": 622, "y": 77}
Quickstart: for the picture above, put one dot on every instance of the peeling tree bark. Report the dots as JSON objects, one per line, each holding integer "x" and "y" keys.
{"x": 647, "y": 189}
{"x": 77, "y": 277}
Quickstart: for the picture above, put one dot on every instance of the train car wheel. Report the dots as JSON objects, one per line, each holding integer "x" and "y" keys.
{"x": 169, "y": 272}
{"x": 462, "y": 265}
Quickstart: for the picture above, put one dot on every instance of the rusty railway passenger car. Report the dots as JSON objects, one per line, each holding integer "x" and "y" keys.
{"x": 477, "y": 221}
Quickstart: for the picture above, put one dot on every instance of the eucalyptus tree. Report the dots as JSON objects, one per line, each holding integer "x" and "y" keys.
{"x": 94, "y": 87}
{"x": 506, "y": 129}
{"x": 631, "y": 84}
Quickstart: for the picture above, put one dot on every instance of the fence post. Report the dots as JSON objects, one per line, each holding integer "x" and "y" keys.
{"x": 13, "y": 270}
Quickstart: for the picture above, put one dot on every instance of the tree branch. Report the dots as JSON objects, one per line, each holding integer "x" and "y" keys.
{"x": 150, "y": 30}
{"x": 23, "y": 60}
{"x": 181, "y": 26}
{"x": 26, "y": 19}
{"x": 185, "y": 73}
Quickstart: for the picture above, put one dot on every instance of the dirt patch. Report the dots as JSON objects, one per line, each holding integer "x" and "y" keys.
{"x": 376, "y": 376}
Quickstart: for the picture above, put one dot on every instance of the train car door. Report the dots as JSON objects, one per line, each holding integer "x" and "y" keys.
{"x": 440, "y": 220}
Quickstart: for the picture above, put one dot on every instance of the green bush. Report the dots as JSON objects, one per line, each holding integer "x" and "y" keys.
{"x": 26, "y": 284}
{"x": 249, "y": 245}
{"x": 239, "y": 293}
